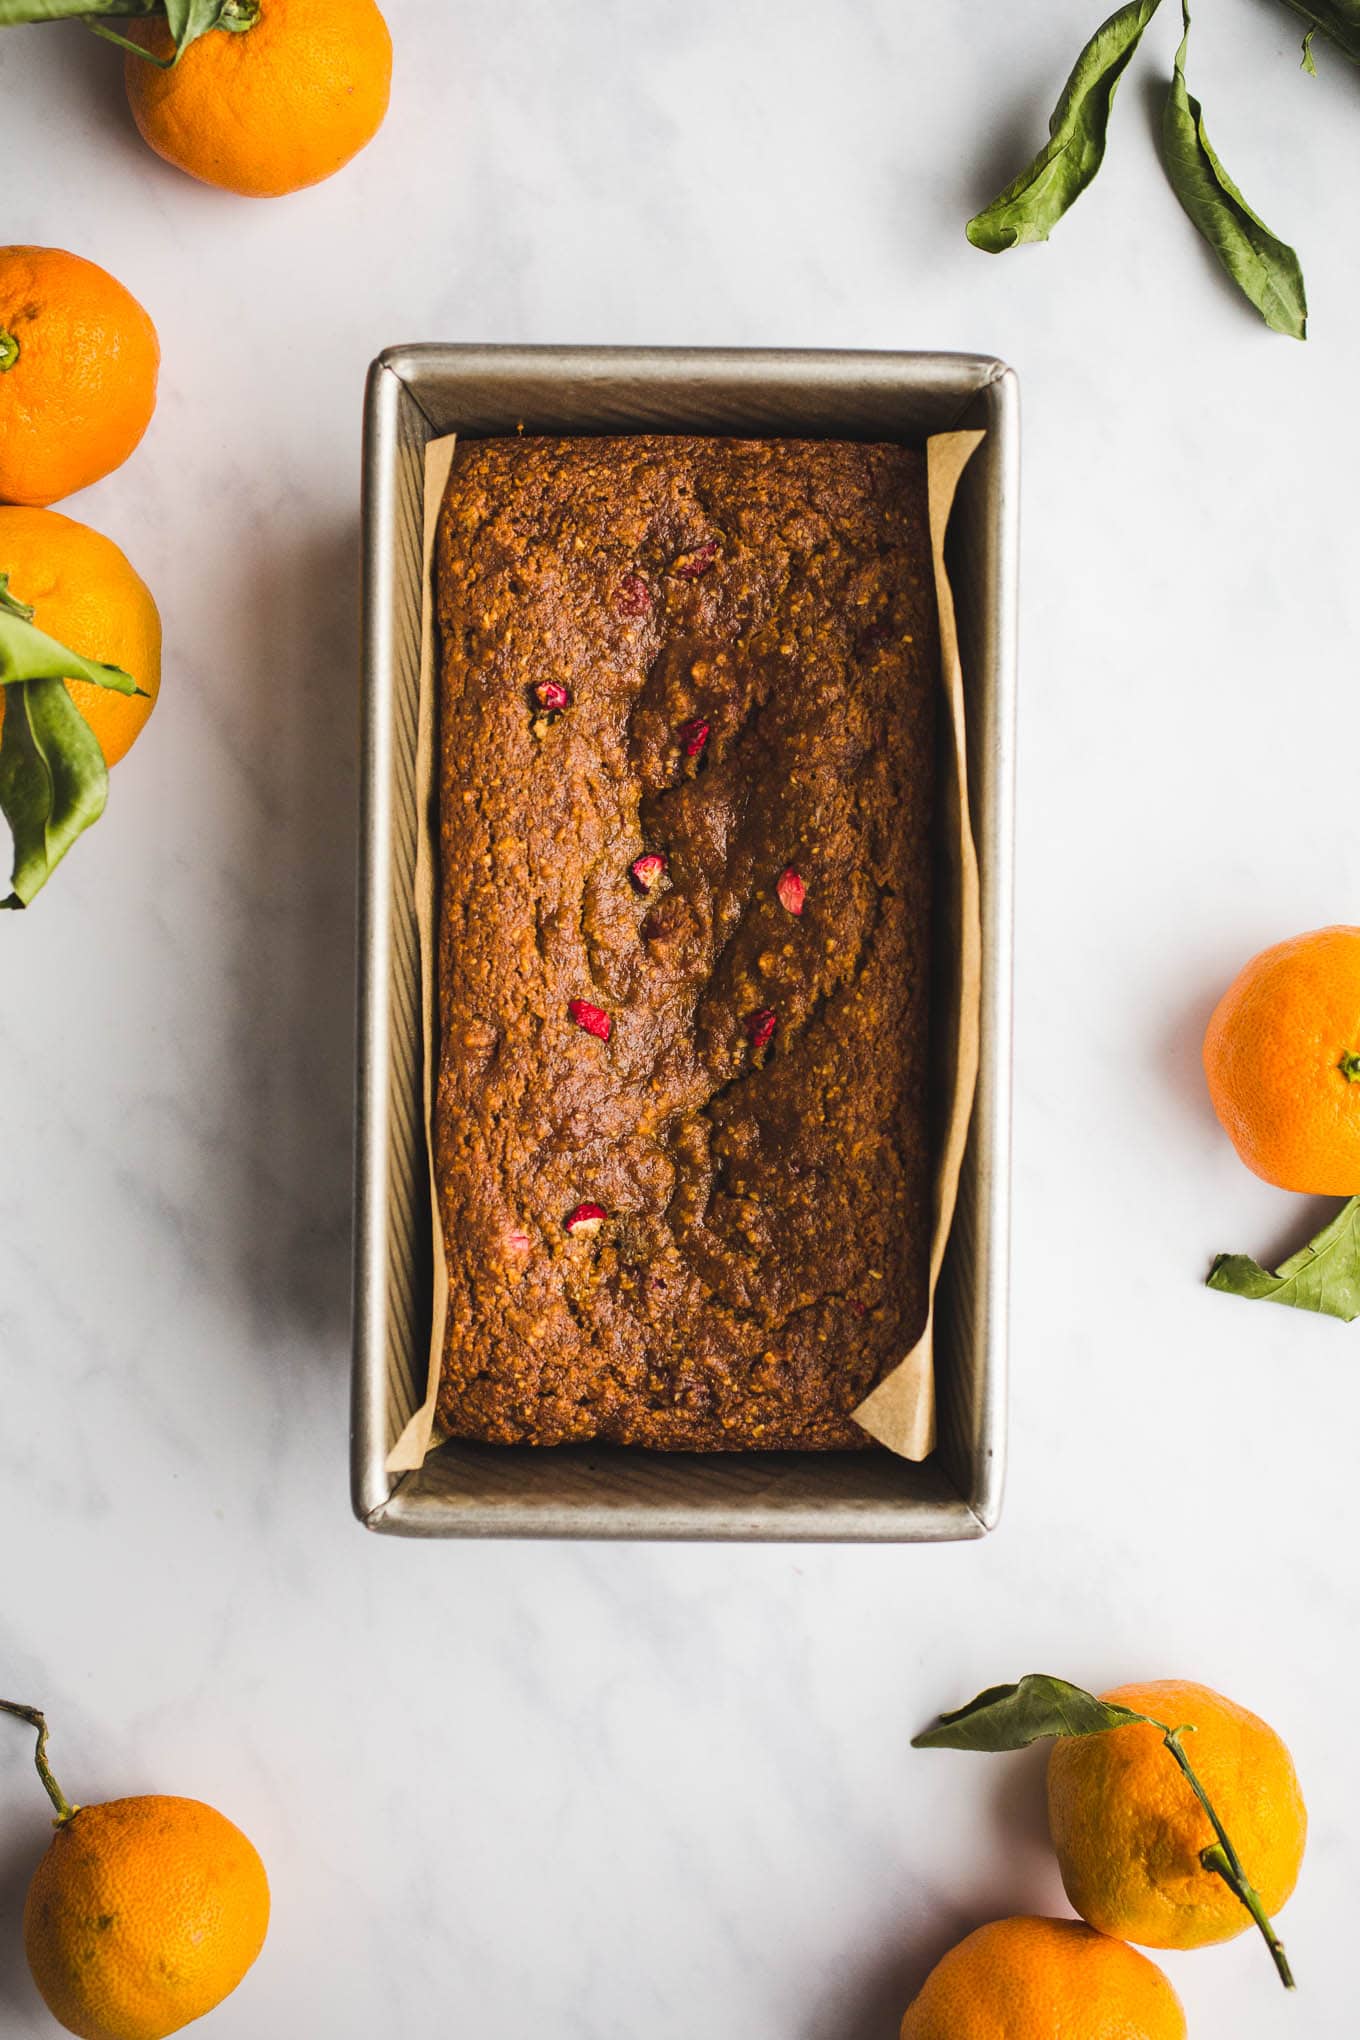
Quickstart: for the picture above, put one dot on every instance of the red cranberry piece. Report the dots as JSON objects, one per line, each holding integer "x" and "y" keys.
{"x": 690, "y": 565}
{"x": 587, "y": 1219}
{"x": 632, "y": 597}
{"x": 647, "y": 871}
{"x": 791, "y": 890}
{"x": 593, "y": 1019}
{"x": 760, "y": 1026}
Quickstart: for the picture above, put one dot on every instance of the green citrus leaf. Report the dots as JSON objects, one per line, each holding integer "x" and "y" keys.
{"x": 1323, "y": 1276}
{"x": 27, "y": 653}
{"x": 1013, "y": 1717}
{"x": 187, "y": 20}
{"x": 1033, "y": 203}
{"x": 1264, "y": 268}
{"x": 14, "y": 13}
{"x": 53, "y": 781}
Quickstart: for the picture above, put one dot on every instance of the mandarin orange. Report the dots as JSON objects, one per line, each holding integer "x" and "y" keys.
{"x": 78, "y": 365}
{"x": 1282, "y": 1059}
{"x": 281, "y": 98}
{"x": 143, "y": 1915}
{"x": 1045, "y": 1980}
{"x": 1129, "y": 1831}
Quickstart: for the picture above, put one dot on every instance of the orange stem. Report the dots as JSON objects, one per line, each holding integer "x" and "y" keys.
{"x": 65, "y": 1810}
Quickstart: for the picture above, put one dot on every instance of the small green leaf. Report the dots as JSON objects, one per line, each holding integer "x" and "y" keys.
{"x": 1265, "y": 269}
{"x": 1013, "y": 1717}
{"x": 1033, "y": 203}
{"x": 15, "y": 13}
{"x": 1307, "y": 62}
{"x": 53, "y": 781}
{"x": 1337, "y": 20}
{"x": 187, "y": 20}
{"x": 1323, "y": 1276}
{"x": 27, "y": 653}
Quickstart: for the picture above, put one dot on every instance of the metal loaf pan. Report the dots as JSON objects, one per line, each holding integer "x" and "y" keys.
{"x": 415, "y": 394}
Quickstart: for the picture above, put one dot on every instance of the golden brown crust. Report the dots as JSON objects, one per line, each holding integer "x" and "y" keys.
{"x": 762, "y": 1259}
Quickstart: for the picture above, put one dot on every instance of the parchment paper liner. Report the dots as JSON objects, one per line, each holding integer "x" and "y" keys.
{"x": 900, "y": 1411}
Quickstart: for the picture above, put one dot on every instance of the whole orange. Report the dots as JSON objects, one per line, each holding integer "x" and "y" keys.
{"x": 1043, "y": 1980}
{"x": 277, "y": 102}
{"x": 1129, "y": 1831}
{"x": 1282, "y": 1056}
{"x": 84, "y": 593}
{"x": 143, "y": 1915}
{"x": 78, "y": 365}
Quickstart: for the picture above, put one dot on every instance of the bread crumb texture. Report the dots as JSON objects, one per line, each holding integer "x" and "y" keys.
{"x": 685, "y": 714}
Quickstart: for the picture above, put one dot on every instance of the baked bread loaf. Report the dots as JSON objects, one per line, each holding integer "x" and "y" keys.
{"x": 685, "y": 757}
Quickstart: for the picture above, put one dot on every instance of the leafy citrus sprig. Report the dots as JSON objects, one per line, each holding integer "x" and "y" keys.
{"x": 53, "y": 779}
{"x": 1264, "y": 268}
{"x": 186, "y": 20}
{"x": 1040, "y": 1708}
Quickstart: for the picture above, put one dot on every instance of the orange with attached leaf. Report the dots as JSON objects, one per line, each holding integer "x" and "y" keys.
{"x": 144, "y": 1913}
{"x": 78, "y": 365}
{"x": 1153, "y": 1846}
{"x": 279, "y": 95}
{"x": 1282, "y": 1058}
{"x": 1131, "y": 1834}
{"x": 84, "y": 592}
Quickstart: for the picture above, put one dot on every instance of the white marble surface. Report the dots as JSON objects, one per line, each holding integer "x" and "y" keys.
{"x": 667, "y": 1792}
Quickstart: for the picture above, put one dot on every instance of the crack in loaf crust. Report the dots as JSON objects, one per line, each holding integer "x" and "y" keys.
{"x": 720, "y": 654}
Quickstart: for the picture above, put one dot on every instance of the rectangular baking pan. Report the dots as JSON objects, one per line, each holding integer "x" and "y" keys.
{"x": 464, "y": 1490}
